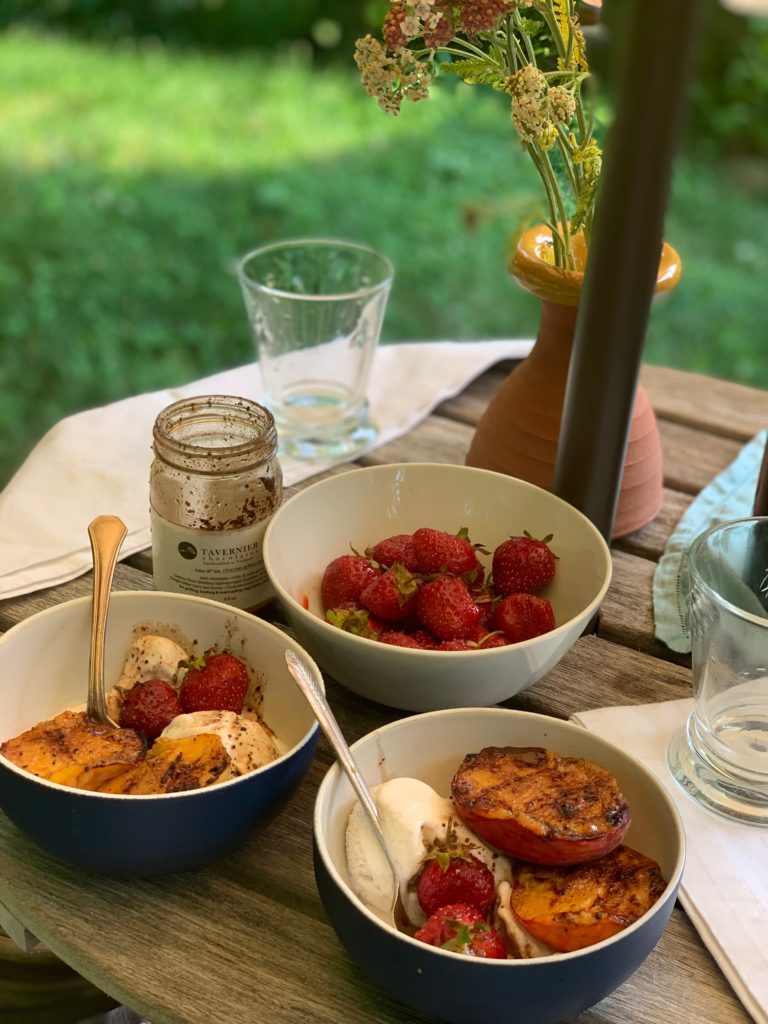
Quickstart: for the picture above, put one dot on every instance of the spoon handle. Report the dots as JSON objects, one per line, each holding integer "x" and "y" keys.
{"x": 106, "y": 534}
{"x": 319, "y": 704}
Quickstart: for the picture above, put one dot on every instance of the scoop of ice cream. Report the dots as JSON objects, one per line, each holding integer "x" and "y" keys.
{"x": 412, "y": 817}
{"x": 247, "y": 741}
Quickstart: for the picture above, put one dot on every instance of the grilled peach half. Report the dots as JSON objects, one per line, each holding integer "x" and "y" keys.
{"x": 538, "y": 806}
{"x": 570, "y": 907}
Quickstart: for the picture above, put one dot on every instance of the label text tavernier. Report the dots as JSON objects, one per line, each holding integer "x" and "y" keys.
{"x": 240, "y": 549}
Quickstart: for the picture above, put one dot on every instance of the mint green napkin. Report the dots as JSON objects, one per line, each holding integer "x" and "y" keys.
{"x": 729, "y": 496}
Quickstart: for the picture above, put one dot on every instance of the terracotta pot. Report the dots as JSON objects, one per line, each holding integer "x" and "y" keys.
{"x": 519, "y": 431}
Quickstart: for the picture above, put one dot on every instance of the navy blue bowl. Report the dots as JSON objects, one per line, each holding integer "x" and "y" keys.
{"x": 468, "y": 990}
{"x": 45, "y": 661}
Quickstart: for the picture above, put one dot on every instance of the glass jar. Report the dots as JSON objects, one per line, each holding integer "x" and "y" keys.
{"x": 214, "y": 483}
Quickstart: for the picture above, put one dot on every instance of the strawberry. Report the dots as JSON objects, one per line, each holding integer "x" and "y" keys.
{"x": 445, "y": 607}
{"x": 522, "y": 565}
{"x": 462, "y": 929}
{"x": 424, "y": 639}
{"x": 437, "y": 551}
{"x": 353, "y": 619}
{"x": 149, "y": 706}
{"x": 484, "y": 635}
{"x": 344, "y": 579}
{"x": 495, "y": 639}
{"x": 392, "y": 595}
{"x": 397, "y": 639}
{"x": 218, "y": 682}
{"x": 453, "y": 875}
{"x": 394, "y": 549}
{"x": 522, "y": 616}
{"x": 455, "y": 645}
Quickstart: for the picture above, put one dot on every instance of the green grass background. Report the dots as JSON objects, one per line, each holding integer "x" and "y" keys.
{"x": 132, "y": 177}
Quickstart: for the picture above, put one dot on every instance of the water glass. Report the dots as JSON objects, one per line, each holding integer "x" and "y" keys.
{"x": 721, "y": 755}
{"x": 316, "y": 307}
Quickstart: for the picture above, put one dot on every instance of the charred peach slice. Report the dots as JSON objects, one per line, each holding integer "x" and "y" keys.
{"x": 570, "y": 907}
{"x": 538, "y": 806}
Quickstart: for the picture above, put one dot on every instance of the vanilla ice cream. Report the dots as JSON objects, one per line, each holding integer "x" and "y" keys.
{"x": 247, "y": 740}
{"x": 412, "y": 817}
{"x": 151, "y": 657}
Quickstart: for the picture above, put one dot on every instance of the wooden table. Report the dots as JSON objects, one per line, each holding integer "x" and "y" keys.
{"x": 247, "y": 939}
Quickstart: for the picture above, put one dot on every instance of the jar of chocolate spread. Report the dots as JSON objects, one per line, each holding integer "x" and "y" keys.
{"x": 214, "y": 483}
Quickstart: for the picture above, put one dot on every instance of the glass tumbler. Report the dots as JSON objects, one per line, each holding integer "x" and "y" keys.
{"x": 721, "y": 755}
{"x": 316, "y": 308}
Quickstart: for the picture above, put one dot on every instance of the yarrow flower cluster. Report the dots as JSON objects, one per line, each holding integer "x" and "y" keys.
{"x": 532, "y": 50}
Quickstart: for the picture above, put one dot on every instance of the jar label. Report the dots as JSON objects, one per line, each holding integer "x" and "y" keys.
{"x": 224, "y": 565}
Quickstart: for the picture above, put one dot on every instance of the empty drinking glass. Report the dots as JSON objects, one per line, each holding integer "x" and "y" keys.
{"x": 721, "y": 755}
{"x": 316, "y": 307}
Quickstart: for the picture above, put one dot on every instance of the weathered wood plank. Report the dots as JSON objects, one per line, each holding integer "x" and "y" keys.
{"x": 704, "y": 403}
{"x": 692, "y": 458}
{"x": 651, "y": 541}
{"x": 14, "y": 609}
{"x": 436, "y": 439}
{"x": 626, "y": 614}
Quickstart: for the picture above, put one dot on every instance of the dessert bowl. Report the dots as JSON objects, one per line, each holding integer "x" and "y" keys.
{"x": 45, "y": 670}
{"x": 356, "y": 509}
{"x": 471, "y": 990}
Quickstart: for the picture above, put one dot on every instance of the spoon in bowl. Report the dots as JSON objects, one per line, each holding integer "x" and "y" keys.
{"x": 106, "y": 534}
{"x": 396, "y": 916}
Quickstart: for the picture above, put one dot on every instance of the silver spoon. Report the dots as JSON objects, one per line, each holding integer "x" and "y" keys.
{"x": 106, "y": 534}
{"x": 397, "y": 916}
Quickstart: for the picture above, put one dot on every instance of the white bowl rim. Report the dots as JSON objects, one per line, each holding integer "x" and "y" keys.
{"x": 672, "y": 882}
{"x": 136, "y": 798}
{"x": 491, "y": 652}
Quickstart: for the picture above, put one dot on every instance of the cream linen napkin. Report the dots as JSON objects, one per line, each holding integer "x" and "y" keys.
{"x": 98, "y": 461}
{"x": 725, "y": 881}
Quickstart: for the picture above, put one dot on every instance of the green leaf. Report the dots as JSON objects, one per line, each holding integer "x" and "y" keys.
{"x": 475, "y": 71}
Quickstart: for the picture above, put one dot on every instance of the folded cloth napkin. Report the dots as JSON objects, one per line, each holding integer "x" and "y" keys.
{"x": 730, "y": 495}
{"x": 97, "y": 462}
{"x": 724, "y": 888}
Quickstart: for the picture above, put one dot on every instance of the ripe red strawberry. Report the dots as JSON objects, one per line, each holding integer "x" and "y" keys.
{"x": 484, "y": 635}
{"x": 522, "y": 616}
{"x": 424, "y": 639}
{"x": 453, "y": 875}
{"x": 353, "y": 619}
{"x": 149, "y": 706}
{"x": 218, "y": 682}
{"x": 344, "y": 579}
{"x": 445, "y": 607}
{"x": 462, "y": 929}
{"x": 392, "y": 595}
{"x": 395, "y": 638}
{"x": 395, "y": 549}
{"x": 437, "y": 551}
{"x": 455, "y": 645}
{"x": 522, "y": 565}
{"x": 495, "y": 639}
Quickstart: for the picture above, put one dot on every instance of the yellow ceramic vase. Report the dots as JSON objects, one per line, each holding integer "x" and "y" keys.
{"x": 518, "y": 433}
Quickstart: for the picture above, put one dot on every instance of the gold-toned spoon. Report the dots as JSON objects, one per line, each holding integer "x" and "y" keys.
{"x": 106, "y": 534}
{"x": 397, "y": 916}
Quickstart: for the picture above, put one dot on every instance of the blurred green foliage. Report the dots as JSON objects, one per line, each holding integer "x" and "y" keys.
{"x": 145, "y": 146}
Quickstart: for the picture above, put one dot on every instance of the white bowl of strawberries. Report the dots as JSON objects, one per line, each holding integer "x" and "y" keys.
{"x": 425, "y": 586}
